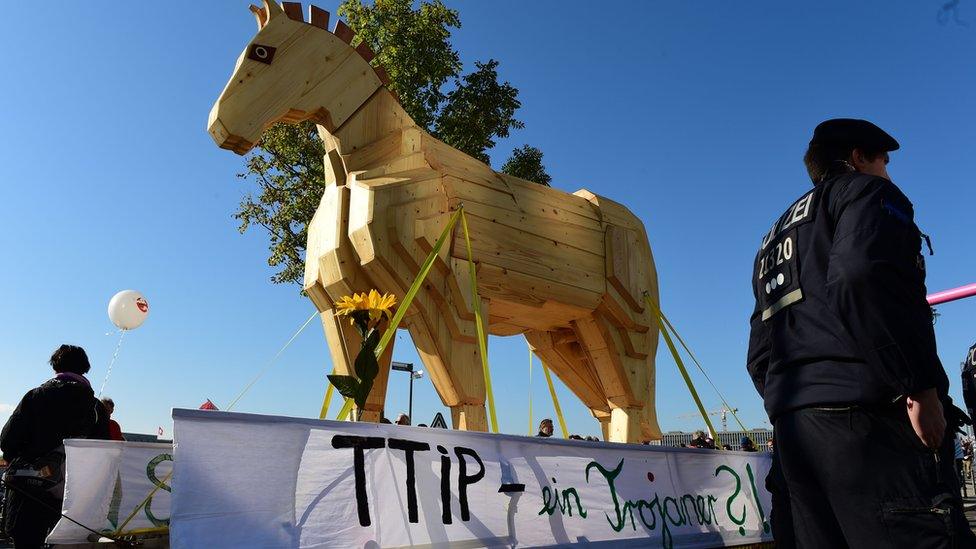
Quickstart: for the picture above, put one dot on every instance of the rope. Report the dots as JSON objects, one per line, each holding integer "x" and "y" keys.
{"x": 701, "y": 369}
{"x": 271, "y": 363}
{"x": 659, "y": 317}
{"x": 405, "y": 303}
{"x": 479, "y": 324}
{"x": 555, "y": 401}
{"x": 115, "y": 355}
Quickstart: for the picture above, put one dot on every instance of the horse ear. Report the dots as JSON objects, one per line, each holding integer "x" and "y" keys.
{"x": 272, "y": 8}
{"x": 260, "y": 15}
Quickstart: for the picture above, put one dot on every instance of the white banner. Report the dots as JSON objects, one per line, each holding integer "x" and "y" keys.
{"x": 106, "y": 480}
{"x": 246, "y": 480}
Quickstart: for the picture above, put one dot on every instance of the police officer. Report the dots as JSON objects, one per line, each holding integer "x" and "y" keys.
{"x": 32, "y": 441}
{"x": 842, "y": 350}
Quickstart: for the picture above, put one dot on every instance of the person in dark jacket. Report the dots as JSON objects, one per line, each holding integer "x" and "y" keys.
{"x": 969, "y": 381}
{"x": 842, "y": 350}
{"x": 32, "y": 442}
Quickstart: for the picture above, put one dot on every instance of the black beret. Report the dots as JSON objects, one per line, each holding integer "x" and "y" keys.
{"x": 853, "y": 132}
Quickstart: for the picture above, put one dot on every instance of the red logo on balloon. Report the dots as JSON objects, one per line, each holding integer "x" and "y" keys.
{"x": 142, "y": 305}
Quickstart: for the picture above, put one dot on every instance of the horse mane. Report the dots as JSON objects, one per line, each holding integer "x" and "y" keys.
{"x": 319, "y": 18}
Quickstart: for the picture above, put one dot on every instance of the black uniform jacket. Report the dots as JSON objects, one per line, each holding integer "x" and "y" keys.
{"x": 47, "y": 415}
{"x": 841, "y": 316}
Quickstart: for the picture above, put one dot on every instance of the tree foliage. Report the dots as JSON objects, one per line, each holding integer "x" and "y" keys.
{"x": 526, "y": 162}
{"x": 414, "y": 46}
{"x": 289, "y": 173}
{"x": 468, "y": 112}
{"x": 478, "y": 109}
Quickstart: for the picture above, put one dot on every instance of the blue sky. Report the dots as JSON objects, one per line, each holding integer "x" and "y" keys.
{"x": 694, "y": 114}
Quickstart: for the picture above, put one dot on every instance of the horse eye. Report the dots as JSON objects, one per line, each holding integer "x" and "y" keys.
{"x": 261, "y": 54}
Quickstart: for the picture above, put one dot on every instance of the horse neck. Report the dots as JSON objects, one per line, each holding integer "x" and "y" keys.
{"x": 379, "y": 117}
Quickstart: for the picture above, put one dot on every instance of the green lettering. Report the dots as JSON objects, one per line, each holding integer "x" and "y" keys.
{"x": 728, "y": 504}
{"x": 609, "y": 476}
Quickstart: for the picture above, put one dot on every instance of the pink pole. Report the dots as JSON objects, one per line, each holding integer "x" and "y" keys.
{"x": 946, "y": 296}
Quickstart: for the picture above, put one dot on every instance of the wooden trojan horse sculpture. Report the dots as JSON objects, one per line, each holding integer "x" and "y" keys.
{"x": 568, "y": 271}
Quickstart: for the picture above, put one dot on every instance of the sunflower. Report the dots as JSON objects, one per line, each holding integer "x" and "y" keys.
{"x": 367, "y": 307}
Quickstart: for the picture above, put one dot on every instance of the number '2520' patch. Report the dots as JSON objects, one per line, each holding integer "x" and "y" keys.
{"x": 778, "y": 265}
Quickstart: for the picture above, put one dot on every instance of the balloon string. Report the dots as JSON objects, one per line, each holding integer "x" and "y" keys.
{"x": 110, "y": 364}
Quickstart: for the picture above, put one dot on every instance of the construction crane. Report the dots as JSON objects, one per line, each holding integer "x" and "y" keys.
{"x": 722, "y": 412}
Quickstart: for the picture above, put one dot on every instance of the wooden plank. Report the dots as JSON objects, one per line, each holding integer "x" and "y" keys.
{"x": 348, "y": 87}
{"x": 541, "y": 344}
{"x": 508, "y": 248}
{"x": 366, "y": 53}
{"x": 413, "y": 165}
{"x": 621, "y": 246}
{"x": 380, "y": 116}
{"x": 343, "y": 32}
{"x": 533, "y": 193}
{"x": 590, "y": 239}
{"x": 598, "y": 344}
{"x": 508, "y": 286}
{"x": 318, "y": 17}
{"x": 293, "y": 10}
{"x": 611, "y": 211}
{"x": 373, "y": 155}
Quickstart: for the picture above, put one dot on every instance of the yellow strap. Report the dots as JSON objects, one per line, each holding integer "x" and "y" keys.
{"x": 555, "y": 401}
{"x": 407, "y": 299}
{"x": 687, "y": 349}
{"x": 479, "y": 324}
{"x": 531, "y": 424}
{"x": 327, "y": 401}
{"x": 143, "y": 504}
{"x": 702, "y": 370}
{"x": 345, "y": 410}
{"x": 415, "y": 287}
{"x": 681, "y": 368}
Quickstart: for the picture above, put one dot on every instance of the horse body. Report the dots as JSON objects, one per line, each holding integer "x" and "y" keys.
{"x": 568, "y": 271}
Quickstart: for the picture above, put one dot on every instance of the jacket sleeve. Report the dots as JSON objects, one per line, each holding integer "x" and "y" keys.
{"x": 16, "y": 433}
{"x": 876, "y": 285}
{"x": 757, "y": 358}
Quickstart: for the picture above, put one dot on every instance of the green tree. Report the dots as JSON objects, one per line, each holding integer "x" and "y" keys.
{"x": 526, "y": 162}
{"x": 413, "y": 44}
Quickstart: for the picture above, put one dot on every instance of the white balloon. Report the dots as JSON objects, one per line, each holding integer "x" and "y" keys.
{"x": 128, "y": 309}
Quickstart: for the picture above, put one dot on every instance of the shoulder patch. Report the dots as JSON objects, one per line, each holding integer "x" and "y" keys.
{"x": 777, "y": 264}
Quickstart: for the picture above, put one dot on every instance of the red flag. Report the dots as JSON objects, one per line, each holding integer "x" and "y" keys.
{"x": 208, "y": 405}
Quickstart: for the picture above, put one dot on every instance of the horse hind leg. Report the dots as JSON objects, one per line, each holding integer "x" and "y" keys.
{"x": 561, "y": 352}
{"x": 625, "y": 376}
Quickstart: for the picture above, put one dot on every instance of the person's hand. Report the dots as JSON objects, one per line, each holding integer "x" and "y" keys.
{"x": 927, "y": 417}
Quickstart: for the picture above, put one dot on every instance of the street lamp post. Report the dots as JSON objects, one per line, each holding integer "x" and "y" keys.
{"x": 419, "y": 374}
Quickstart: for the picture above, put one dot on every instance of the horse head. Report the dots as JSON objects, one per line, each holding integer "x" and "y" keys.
{"x": 292, "y": 71}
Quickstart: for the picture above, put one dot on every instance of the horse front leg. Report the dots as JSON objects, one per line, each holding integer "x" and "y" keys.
{"x": 344, "y": 343}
